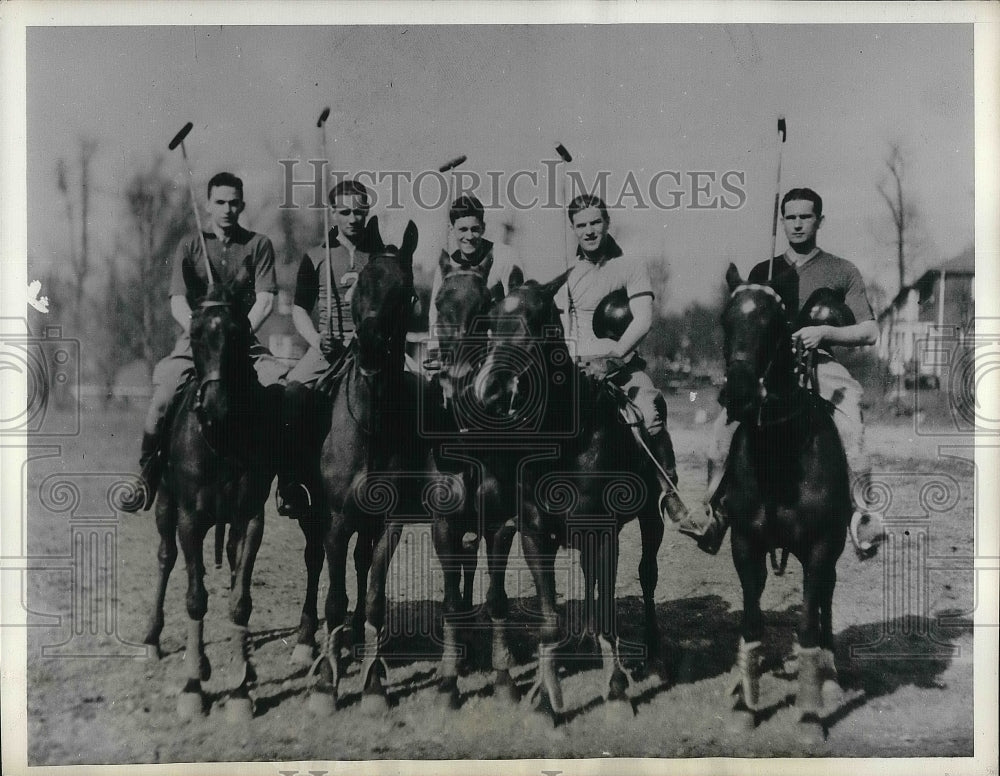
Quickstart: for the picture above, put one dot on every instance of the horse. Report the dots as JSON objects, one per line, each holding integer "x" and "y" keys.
{"x": 376, "y": 469}
{"x": 787, "y": 487}
{"x": 591, "y": 482}
{"x": 464, "y": 304}
{"x": 218, "y": 468}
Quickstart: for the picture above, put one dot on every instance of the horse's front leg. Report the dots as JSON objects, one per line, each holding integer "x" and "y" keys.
{"x": 313, "y": 528}
{"x": 191, "y": 531}
{"x": 373, "y": 668}
{"x": 651, "y": 530}
{"x": 539, "y": 553}
{"x": 818, "y": 580}
{"x": 239, "y": 707}
{"x": 750, "y": 562}
{"x": 604, "y": 557}
{"x": 364, "y": 551}
{"x": 166, "y": 525}
{"x": 498, "y": 544}
{"x": 448, "y": 547}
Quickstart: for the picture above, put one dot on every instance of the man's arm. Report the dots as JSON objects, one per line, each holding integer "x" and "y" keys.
{"x": 304, "y": 326}
{"x": 856, "y": 335}
{"x": 261, "y": 309}
{"x": 432, "y": 312}
{"x": 181, "y": 310}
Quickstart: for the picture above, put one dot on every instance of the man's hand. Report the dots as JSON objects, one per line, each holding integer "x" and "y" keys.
{"x": 812, "y": 336}
{"x": 349, "y": 278}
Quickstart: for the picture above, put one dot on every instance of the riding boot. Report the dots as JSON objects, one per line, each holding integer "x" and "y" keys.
{"x": 671, "y": 506}
{"x": 708, "y": 528}
{"x": 293, "y": 498}
{"x": 150, "y": 469}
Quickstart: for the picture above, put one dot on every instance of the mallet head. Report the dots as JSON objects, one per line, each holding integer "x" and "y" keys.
{"x": 781, "y": 127}
{"x": 179, "y": 137}
{"x": 563, "y": 153}
{"x": 323, "y": 117}
{"x": 448, "y": 166}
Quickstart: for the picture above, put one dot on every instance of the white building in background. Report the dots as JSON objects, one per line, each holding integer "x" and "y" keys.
{"x": 925, "y": 321}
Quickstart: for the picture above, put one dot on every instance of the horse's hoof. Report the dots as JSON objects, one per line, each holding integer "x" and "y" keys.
{"x": 303, "y": 655}
{"x": 374, "y": 704}
{"x": 741, "y": 722}
{"x": 190, "y": 705}
{"x": 810, "y": 731}
{"x": 833, "y": 694}
{"x": 505, "y": 690}
{"x": 239, "y": 710}
{"x": 322, "y": 703}
{"x": 447, "y": 695}
{"x": 617, "y": 709}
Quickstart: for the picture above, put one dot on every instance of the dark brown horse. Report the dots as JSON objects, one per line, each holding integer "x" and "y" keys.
{"x": 466, "y": 445}
{"x": 581, "y": 476}
{"x": 786, "y": 487}
{"x": 219, "y": 468}
{"x": 376, "y": 468}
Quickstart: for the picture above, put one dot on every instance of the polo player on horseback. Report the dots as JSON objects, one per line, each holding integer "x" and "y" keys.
{"x": 496, "y": 263}
{"x": 350, "y": 245}
{"x": 237, "y": 257}
{"x": 795, "y": 275}
{"x": 600, "y": 269}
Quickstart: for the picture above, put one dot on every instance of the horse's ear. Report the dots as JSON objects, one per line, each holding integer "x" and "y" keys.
{"x": 733, "y": 278}
{"x": 516, "y": 278}
{"x": 372, "y": 236}
{"x": 496, "y": 292}
{"x": 409, "y": 245}
{"x": 550, "y": 288}
{"x": 444, "y": 264}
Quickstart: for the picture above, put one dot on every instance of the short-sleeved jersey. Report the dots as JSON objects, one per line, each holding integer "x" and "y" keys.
{"x": 311, "y": 286}
{"x": 796, "y": 283}
{"x": 495, "y": 262}
{"x": 246, "y": 260}
{"x": 588, "y": 283}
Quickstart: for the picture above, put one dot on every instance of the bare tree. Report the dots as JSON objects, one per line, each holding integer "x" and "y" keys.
{"x": 79, "y": 248}
{"x": 156, "y": 219}
{"x": 903, "y": 211}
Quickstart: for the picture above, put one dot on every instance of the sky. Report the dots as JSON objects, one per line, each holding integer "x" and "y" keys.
{"x": 630, "y": 100}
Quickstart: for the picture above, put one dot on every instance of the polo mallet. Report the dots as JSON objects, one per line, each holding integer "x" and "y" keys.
{"x": 330, "y": 287}
{"x": 450, "y": 166}
{"x": 179, "y": 141}
{"x": 566, "y": 157}
{"x": 777, "y": 197}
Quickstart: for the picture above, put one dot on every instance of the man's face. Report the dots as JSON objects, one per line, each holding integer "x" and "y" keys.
{"x": 469, "y": 234}
{"x": 349, "y": 214}
{"x": 225, "y": 204}
{"x": 590, "y": 227}
{"x": 801, "y": 223}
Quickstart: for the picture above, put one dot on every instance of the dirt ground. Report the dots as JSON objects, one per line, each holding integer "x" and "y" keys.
{"x": 903, "y": 625}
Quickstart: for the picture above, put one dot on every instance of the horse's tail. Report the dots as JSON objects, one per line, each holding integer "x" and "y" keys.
{"x": 779, "y": 568}
{"x": 220, "y": 541}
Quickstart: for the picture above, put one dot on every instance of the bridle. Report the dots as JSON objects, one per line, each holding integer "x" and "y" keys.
{"x": 763, "y": 395}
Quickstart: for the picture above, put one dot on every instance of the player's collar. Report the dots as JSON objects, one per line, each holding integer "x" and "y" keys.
{"x": 793, "y": 258}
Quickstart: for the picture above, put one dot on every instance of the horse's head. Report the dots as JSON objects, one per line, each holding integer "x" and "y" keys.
{"x": 381, "y": 303}
{"x": 757, "y": 344}
{"x": 525, "y": 334}
{"x": 463, "y": 304}
{"x": 220, "y": 344}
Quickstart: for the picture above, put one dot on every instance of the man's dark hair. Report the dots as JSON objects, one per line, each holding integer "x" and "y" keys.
{"x": 466, "y": 206}
{"x": 804, "y": 194}
{"x": 583, "y": 201}
{"x": 349, "y": 188}
{"x": 225, "y": 179}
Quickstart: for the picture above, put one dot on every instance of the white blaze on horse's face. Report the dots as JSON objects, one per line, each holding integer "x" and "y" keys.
{"x": 748, "y": 306}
